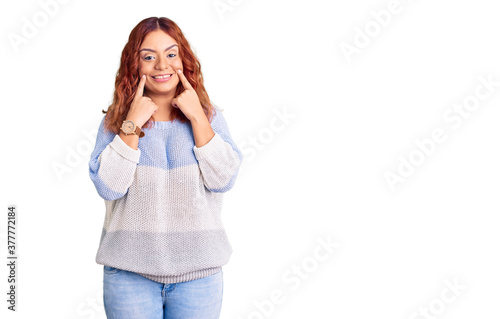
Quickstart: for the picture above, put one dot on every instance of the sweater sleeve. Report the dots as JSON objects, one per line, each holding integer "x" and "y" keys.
{"x": 112, "y": 164}
{"x": 220, "y": 159}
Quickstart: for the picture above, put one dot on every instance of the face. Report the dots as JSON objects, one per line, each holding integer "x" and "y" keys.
{"x": 159, "y": 60}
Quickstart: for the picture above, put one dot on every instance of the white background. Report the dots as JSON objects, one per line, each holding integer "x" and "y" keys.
{"x": 321, "y": 176}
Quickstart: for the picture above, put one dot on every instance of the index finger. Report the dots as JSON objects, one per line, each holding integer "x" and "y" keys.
{"x": 140, "y": 88}
{"x": 184, "y": 80}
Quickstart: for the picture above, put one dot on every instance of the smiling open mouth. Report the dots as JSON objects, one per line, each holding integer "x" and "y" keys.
{"x": 166, "y": 76}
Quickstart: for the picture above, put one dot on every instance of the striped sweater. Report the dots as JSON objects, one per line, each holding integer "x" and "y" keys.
{"x": 163, "y": 201}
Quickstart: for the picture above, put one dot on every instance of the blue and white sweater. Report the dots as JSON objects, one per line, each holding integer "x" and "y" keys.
{"x": 163, "y": 201}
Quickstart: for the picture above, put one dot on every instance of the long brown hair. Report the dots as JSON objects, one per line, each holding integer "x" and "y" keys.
{"x": 127, "y": 77}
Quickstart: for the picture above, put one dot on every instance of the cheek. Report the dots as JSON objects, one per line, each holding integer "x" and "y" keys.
{"x": 143, "y": 69}
{"x": 176, "y": 64}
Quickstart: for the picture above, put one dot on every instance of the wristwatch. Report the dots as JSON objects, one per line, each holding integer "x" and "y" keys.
{"x": 129, "y": 127}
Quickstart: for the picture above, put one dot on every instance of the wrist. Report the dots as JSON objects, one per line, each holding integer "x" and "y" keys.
{"x": 130, "y": 127}
{"x": 198, "y": 117}
{"x": 134, "y": 120}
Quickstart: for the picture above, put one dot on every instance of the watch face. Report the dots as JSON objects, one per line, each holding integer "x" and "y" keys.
{"x": 128, "y": 127}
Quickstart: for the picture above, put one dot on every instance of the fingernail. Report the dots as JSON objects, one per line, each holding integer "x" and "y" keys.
{"x": 143, "y": 76}
{"x": 179, "y": 71}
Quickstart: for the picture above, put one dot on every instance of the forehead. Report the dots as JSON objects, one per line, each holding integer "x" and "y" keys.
{"x": 158, "y": 40}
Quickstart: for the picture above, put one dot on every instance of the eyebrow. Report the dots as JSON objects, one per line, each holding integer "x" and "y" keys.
{"x": 151, "y": 50}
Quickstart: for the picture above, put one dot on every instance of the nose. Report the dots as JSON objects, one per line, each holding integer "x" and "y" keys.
{"x": 161, "y": 63}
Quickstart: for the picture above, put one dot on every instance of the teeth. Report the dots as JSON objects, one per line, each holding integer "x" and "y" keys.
{"x": 162, "y": 76}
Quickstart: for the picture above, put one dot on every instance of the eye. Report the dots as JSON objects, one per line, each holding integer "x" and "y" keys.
{"x": 170, "y": 55}
{"x": 148, "y": 57}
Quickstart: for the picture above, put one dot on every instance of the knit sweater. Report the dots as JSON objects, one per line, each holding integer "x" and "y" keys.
{"x": 163, "y": 201}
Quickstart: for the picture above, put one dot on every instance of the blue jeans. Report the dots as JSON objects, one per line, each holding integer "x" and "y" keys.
{"x": 130, "y": 295}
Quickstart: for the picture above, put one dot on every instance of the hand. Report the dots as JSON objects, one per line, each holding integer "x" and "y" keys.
{"x": 188, "y": 101}
{"x": 142, "y": 107}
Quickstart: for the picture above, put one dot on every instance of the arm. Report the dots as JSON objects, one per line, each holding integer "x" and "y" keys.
{"x": 202, "y": 130}
{"x": 219, "y": 158}
{"x": 112, "y": 164}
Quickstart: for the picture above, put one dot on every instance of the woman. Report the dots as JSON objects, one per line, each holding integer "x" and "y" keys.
{"x": 162, "y": 161}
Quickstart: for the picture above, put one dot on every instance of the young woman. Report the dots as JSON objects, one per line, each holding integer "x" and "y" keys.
{"x": 162, "y": 161}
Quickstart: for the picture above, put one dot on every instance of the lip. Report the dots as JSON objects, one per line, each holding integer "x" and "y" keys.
{"x": 162, "y": 80}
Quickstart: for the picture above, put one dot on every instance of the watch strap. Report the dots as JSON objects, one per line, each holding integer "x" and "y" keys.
{"x": 138, "y": 131}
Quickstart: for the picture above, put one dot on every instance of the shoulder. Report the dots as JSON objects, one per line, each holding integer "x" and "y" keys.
{"x": 104, "y": 130}
{"x": 219, "y": 124}
{"x": 217, "y": 116}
